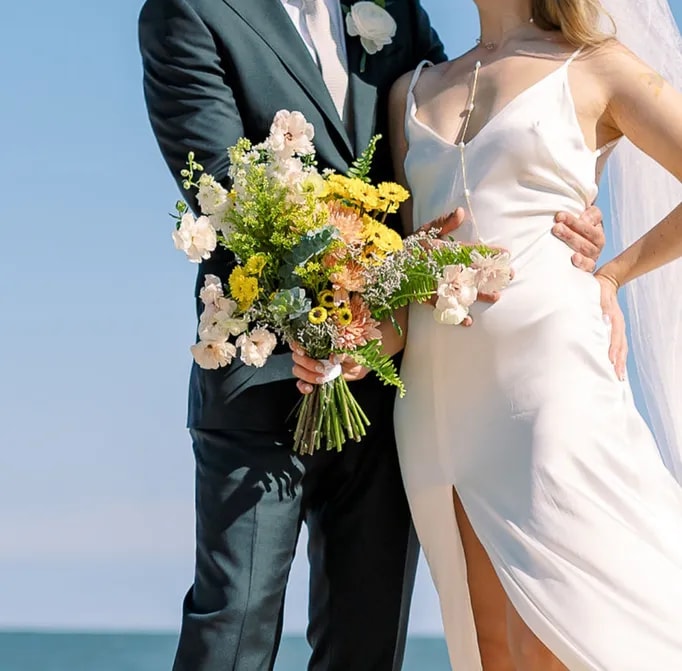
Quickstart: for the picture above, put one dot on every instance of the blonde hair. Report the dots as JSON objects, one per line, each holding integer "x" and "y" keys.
{"x": 578, "y": 20}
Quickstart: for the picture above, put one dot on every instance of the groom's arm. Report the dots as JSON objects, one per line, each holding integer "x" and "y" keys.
{"x": 189, "y": 99}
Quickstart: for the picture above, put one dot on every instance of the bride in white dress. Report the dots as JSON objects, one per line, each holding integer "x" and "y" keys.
{"x": 551, "y": 526}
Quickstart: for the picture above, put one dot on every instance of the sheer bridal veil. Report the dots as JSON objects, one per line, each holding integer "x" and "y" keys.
{"x": 642, "y": 193}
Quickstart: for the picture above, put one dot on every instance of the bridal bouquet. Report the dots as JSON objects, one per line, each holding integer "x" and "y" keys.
{"x": 316, "y": 265}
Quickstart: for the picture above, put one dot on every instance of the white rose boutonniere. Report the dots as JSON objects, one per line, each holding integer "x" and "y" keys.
{"x": 376, "y": 28}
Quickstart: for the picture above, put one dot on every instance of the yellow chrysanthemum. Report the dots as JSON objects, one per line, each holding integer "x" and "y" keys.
{"x": 364, "y": 195}
{"x": 381, "y": 236}
{"x": 326, "y": 299}
{"x": 371, "y": 255}
{"x": 255, "y": 265}
{"x": 338, "y": 186}
{"x": 391, "y": 241}
{"x": 318, "y": 315}
{"x": 244, "y": 289}
{"x": 390, "y": 191}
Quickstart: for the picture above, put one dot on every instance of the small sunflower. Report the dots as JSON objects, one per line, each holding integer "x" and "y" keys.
{"x": 318, "y": 315}
{"x": 326, "y": 299}
{"x": 343, "y": 316}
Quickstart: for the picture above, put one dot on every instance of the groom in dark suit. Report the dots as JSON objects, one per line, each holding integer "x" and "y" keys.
{"x": 215, "y": 70}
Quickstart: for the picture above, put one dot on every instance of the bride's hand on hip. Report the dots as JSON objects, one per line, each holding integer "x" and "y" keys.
{"x": 311, "y": 372}
{"x": 613, "y": 316}
{"x": 584, "y": 235}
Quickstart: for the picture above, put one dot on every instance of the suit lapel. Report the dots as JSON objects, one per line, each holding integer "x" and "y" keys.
{"x": 269, "y": 19}
{"x": 363, "y": 94}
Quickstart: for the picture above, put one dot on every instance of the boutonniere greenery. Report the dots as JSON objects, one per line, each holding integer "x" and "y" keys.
{"x": 369, "y": 20}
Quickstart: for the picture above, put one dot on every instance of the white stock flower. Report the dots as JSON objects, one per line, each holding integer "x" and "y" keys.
{"x": 196, "y": 237}
{"x": 456, "y": 292}
{"x": 289, "y": 172}
{"x": 211, "y": 291}
{"x": 227, "y": 305}
{"x": 494, "y": 272}
{"x": 219, "y": 219}
{"x": 256, "y": 347}
{"x": 217, "y": 323}
{"x": 213, "y": 355}
{"x": 374, "y": 26}
{"x": 291, "y": 134}
{"x": 211, "y": 195}
{"x": 449, "y": 310}
{"x": 459, "y": 282}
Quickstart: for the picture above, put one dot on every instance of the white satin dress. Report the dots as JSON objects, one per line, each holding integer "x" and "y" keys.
{"x": 524, "y": 415}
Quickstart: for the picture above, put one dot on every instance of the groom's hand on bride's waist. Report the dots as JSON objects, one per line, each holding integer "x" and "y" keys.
{"x": 584, "y": 235}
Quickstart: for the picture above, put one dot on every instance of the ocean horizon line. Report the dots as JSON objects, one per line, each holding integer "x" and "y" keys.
{"x": 48, "y": 630}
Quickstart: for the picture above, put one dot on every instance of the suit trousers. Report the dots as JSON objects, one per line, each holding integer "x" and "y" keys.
{"x": 252, "y": 495}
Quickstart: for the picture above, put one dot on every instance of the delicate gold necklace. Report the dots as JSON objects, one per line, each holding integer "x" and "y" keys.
{"x": 491, "y": 46}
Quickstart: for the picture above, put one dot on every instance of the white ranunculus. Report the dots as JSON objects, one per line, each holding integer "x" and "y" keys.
{"x": 196, "y": 237}
{"x": 494, "y": 272}
{"x": 211, "y": 291}
{"x": 213, "y": 355}
{"x": 256, "y": 347}
{"x": 313, "y": 183}
{"x": 291, "y": 134}
{"x": 211, "y": 195}
{"x": 372, "y": 23}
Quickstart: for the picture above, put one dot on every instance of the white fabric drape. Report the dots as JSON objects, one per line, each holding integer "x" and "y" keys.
{"x": 642, "y": 193}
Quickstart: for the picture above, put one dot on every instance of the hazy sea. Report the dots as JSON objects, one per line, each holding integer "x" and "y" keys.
{"x": 154, "y": 652}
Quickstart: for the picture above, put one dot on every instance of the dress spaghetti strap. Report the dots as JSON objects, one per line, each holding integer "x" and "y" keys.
{"x": 411, "y": 103}
{"x": 573, "y": 56}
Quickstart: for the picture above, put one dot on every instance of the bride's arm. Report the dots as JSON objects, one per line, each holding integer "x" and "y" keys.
{"x": 648, "y": 111}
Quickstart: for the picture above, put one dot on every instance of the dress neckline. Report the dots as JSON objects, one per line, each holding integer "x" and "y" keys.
{"x": 510, "y": 104}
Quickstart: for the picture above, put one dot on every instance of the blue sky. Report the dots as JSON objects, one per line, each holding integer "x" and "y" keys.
{"x": 96, "y": 473}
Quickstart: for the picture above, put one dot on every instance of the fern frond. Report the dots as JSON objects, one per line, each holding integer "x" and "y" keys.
{"x": 362, "y": 165}
{"x": 370, "y": 356}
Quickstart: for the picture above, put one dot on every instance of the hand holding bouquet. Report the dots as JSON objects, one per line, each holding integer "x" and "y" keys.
{"x": 316, "y": 265}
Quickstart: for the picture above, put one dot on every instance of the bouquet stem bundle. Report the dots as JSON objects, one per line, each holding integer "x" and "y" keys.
{"x": 329, "y": 416}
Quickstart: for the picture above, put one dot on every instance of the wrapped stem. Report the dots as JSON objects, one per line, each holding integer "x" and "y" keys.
{"x": 328, "y": 417}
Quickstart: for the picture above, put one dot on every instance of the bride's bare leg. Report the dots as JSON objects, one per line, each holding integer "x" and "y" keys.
{"x": 528, "y": 651}
{"x": 488, "y": 599}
